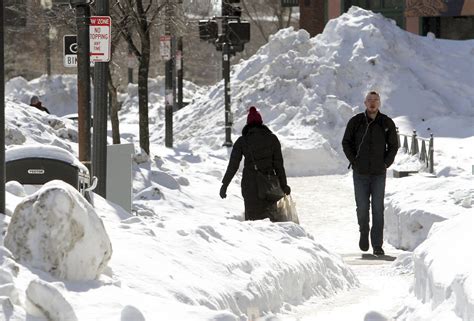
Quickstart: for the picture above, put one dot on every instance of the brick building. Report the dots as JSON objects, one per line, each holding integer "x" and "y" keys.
{"x": 447, "y": 19}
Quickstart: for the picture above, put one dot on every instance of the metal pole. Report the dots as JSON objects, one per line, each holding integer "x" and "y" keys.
{"x": 130, "y": 58}
{"x": 169, "y": 92}
{"x": 398, "y": 137}
{"x": 168, "y": 104}
{"x": 413, "y": 149}
{"x": 226, "y": 76}
{"x": 99, "y": 155}
{"x": 83, "y": 80}
{"x": 2, "y": 116}
{"x": 173, "y": 69}
{"x": 48, "y": 51}
{"x": 179, "y": 67}
{"x": 431, "y": 151}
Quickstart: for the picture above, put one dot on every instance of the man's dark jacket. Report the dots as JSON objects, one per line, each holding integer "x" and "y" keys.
{"x": 370, "y": 145}
{"x": 266, "y": 150}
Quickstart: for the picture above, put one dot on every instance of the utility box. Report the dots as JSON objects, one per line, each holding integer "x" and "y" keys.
{"x": 119, "y": 175}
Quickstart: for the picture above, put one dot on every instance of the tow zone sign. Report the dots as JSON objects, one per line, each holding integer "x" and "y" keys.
{"x": 100, "y": 38}
{"x": 100, "y": 42}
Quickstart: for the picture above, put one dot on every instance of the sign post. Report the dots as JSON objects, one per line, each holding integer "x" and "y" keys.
{"x": 100, "y": 46}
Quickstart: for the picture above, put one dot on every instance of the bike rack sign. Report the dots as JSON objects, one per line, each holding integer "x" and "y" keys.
{"x": 70, "y": 50}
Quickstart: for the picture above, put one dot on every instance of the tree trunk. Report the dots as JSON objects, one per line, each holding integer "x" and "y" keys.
{"x": 114, "y": 110}
{"x": 143, "y": 68}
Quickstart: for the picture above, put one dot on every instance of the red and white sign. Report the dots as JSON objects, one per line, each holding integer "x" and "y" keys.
{"x": 165, "y": 47}
{"x": 100, "y": 38}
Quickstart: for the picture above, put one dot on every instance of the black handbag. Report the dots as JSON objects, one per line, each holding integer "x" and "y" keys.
{"x": 268, "y": 184}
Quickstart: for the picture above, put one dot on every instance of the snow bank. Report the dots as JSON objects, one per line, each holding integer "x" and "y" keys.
{"x": 46, "y": 300}
{"x": 444, "y": 273}
{"x": 308, "y": 88}
{"x": 156, "y": 100}
{"x": 221, "y": 264}
{"x": 58, "y": 93}
{"x": 415, "y": 203}
{"x": 56, "y": 230}
{"x": 28, "y": 125}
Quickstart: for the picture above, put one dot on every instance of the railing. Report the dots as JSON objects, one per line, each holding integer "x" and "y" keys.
{"x": 424, "y": 155}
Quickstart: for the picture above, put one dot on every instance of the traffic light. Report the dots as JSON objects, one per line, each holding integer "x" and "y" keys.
{"x": 208, "y": 30}
{"x": 230, "y": 9}
{"x": 238, "y": 32}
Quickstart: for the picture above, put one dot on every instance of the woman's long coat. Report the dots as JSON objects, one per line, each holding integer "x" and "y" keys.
{"x": 266, "y": 149}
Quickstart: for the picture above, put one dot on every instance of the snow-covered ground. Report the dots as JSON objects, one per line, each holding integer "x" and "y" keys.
{"x": 185, "y": 254}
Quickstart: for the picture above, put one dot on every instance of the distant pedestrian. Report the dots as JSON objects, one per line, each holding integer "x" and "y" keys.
{"x": 370, "y": 144}
{"x": 258, "y": 144}
{"x": 36, "y": 102}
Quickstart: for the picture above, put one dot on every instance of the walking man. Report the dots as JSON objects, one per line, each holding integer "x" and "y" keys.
{"x": 370, "y": 144}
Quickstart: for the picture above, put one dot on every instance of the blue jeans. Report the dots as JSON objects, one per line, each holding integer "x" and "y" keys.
{"x": 370, "y": 189}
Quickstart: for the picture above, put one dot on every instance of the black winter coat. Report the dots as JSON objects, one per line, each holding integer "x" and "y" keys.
{"x": 370, "y": 145}
{"x": 266, "y": 150}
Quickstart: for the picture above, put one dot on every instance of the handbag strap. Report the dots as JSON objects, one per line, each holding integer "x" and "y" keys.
{"x": 251, "y": 153}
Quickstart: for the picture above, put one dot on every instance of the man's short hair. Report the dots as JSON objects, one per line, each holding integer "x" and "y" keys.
{"x": 373, "y": 92}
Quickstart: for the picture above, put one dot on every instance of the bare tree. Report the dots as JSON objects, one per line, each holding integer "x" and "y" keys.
{"x": 112, "y": 89}
{"x": 138, "y": 16}
{"x": 267, "y": 12}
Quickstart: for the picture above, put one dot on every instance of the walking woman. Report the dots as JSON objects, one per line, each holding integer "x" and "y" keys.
{"x": 261, "y": 148}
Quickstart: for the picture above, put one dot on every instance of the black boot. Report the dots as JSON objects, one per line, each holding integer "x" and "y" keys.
{"x": 378, "y": 250}
{"x": 364, "y": 241}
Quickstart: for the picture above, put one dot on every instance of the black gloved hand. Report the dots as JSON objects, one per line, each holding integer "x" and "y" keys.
{"x": 223, "y": 191}
{"x": 287, "y": 190}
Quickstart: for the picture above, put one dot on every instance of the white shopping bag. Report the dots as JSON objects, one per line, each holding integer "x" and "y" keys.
{"x": 286, "y": 210}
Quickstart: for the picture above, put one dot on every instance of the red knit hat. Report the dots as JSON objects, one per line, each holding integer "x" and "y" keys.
{"x": 254, "y": 117}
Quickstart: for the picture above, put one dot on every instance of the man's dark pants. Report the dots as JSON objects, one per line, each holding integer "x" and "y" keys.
{"x": 370, "y": 189}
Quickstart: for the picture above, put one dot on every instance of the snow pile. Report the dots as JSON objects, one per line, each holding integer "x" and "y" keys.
{"x": 201, "y": 259}
{"x": 415, "y": 203}
{"x": 444, "y": 273}
{"x": 58, "y": 93}
{"x": 8, "y": 292}
{"x": 56, "y": 230}
{"x": 47, "y": 301}
{"x": 28, "y": 125}
{"x": 156, "y": 100}
{"x": 308, "y": 88}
